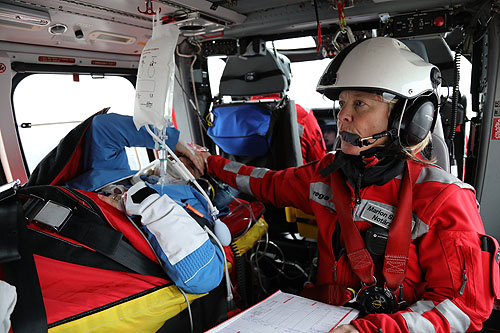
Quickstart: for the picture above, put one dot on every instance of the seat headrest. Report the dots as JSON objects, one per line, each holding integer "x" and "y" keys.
{"x": 418, "y": 47}
{"x": 257, "y": 75}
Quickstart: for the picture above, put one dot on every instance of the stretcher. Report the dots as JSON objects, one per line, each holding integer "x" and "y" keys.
{"x": 94, "y": 271}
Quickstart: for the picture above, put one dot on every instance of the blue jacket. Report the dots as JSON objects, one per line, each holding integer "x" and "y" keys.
{"x": 105, "y": 159}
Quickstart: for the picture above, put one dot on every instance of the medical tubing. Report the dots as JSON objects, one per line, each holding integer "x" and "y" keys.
{"x": 230, "y": 298}
{"x": 213, "y": 210}
{"x": 251, "y": 219}
{"x": 254, "y": 262}
{"x": 188, "y": 308}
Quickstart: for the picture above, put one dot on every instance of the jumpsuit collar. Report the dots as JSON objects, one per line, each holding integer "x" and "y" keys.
{"x": 362, "y": 171}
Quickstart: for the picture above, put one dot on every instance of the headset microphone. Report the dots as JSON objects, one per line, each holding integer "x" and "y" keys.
{"x": 356, "y": 140}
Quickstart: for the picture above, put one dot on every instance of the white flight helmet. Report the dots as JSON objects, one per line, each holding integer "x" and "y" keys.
{"x": 387, "y": 66}
{"x": 379, "y": 64}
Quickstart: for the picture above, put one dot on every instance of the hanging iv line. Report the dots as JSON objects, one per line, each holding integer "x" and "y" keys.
{"x": 220, "y": 228}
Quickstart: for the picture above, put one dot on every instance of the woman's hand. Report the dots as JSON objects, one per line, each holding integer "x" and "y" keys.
{"x": 345, "y": 329}
{"x": 193, "y": 153}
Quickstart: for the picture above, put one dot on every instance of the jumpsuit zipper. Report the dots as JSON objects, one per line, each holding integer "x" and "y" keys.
{"x": 464, "y": 274}
{"x": 358, "y": 189}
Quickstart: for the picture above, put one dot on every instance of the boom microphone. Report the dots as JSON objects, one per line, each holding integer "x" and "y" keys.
{"x": 356, "y": 140}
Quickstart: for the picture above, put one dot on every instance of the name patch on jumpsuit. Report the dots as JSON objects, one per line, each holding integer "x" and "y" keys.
{"x": 377, "y": 215}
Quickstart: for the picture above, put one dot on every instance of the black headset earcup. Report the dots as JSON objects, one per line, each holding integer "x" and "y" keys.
{"x": 418, "y": 120}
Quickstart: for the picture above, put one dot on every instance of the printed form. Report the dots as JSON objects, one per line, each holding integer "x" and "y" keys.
{"x": 283, "y": 312}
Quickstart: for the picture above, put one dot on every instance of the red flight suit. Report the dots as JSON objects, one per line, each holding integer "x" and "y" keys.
{"x": 450, "y": 282}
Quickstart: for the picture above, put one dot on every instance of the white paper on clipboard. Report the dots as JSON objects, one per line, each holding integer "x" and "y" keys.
{"x": 282, "y": 312}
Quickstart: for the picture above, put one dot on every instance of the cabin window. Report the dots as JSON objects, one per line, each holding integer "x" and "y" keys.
{"x": 56, "y": 103}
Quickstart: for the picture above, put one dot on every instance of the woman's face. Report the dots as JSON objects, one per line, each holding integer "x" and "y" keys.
{"x": 364, "y": 114}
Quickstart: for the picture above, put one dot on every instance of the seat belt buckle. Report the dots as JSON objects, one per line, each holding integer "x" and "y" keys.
{"x": 10, "y": 189}
{"x": 48, "y": 213}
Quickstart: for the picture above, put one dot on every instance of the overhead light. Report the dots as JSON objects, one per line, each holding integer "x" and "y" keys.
{"x": 58, "y": 29}
{"x": 23, "y": 16}
{"x": 104, "y": 36}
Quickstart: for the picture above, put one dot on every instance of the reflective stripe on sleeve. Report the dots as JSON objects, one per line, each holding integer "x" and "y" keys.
{"x": 243, "y": 181}
{"x": 243, "y": 184}
{"x": 457, "y": 319}
{"x": 417, "y": 323}
{"x": 233, "y": 167}
{"x": 259, "y": 172}
{"x": 422, "y": 306}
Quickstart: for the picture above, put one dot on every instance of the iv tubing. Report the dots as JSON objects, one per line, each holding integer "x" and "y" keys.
{"x": 213, "y": 209}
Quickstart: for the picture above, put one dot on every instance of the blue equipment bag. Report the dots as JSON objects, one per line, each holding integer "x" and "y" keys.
{"x": 242, "y": 129}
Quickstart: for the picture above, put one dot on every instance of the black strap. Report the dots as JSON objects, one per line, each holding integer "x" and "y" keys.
{"x": 83, "y": 228}
{"x": 29, "y": 313}
{"x": 101, "y": 238}
{"x": 9, "y": 239}
{"x": 128, "y": 256}
{"x": 110, "y": 243}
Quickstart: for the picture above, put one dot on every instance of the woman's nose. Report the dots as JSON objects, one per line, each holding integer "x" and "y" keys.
{"x": 345, "y": 114}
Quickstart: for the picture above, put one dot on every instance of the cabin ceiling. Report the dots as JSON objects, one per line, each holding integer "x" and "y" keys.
{"x": 117, "y": 26}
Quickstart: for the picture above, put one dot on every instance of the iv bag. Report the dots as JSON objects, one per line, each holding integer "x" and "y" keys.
{"x": 155, "y": 78}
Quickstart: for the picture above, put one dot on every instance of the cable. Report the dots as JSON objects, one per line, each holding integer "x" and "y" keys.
{"x": 265, "y": 253}
{"x": 191, "y": 72}
{"x": 188, "y": 308}
{"x": 400, "y": 121}
{"x": 255, "y": 263}
{"x": 456, "y": 92}
{"x": 468, "y": 42}
{"x": 192, "y": 103}
{"x": 258, "y": 255}
{"x": 230, "y": 297}
{"x": 445, "y": 100}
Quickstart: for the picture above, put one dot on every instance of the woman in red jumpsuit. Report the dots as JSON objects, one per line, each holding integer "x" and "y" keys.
{"x": 400, "y": 231}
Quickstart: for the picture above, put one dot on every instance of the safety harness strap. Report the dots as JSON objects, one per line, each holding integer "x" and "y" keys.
{"x": 398, "y": 244}
{"x": 359, "y": 257}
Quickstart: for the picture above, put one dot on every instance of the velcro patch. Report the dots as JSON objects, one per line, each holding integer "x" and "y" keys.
{"x": 142, "y": 194}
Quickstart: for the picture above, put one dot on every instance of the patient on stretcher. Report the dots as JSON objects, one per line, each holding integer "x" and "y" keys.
{"x": 181, "y": 242}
